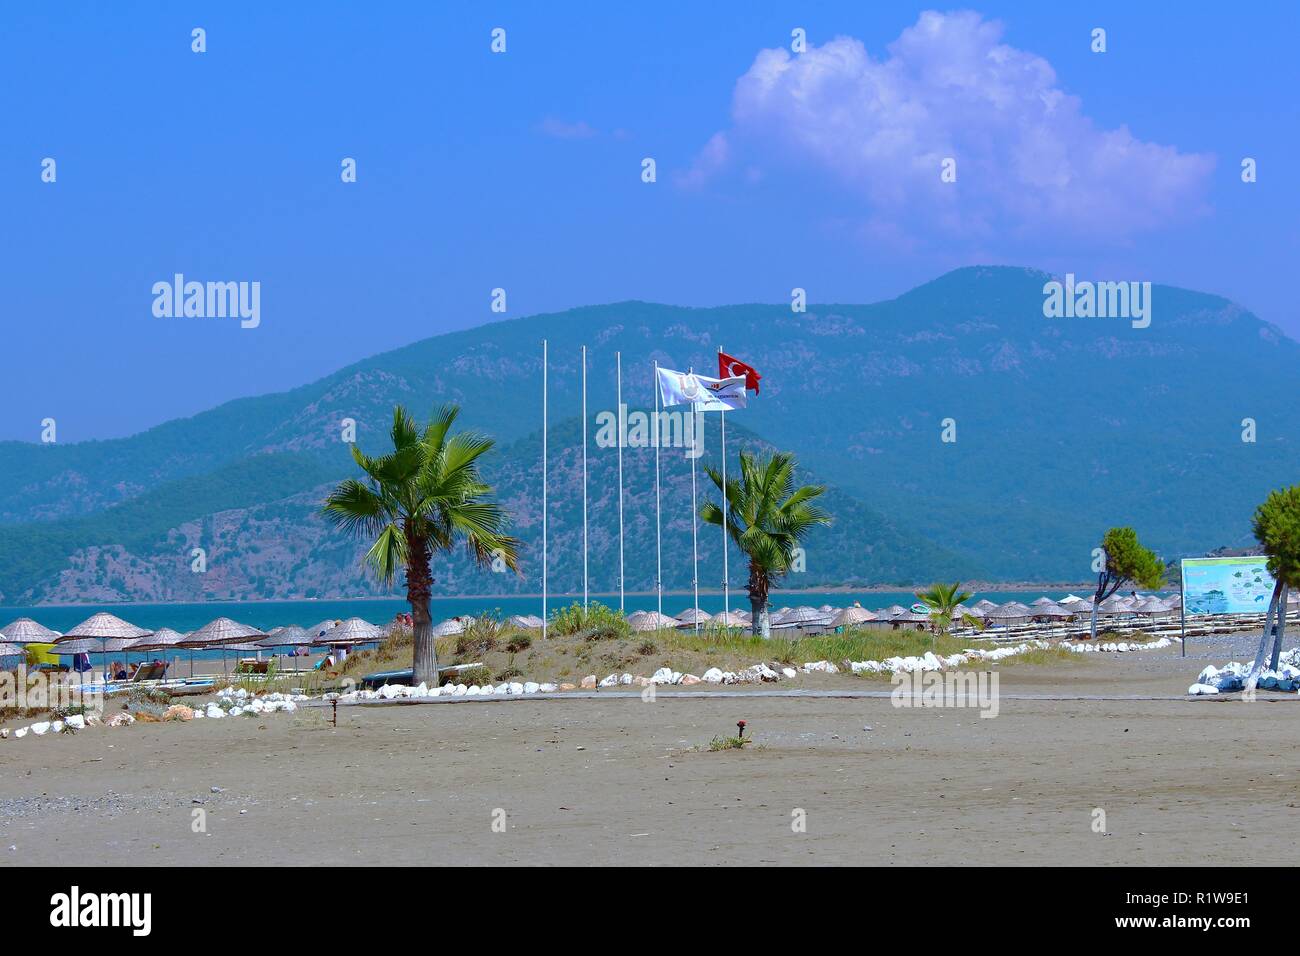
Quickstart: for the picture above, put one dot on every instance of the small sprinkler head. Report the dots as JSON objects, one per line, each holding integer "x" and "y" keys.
{"x": 740, "y": 725}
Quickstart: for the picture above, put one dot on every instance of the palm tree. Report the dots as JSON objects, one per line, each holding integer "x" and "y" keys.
{"x": 943, "y": 600}
{"x": 421, "y": 499}
{"x": 767, "y": 517}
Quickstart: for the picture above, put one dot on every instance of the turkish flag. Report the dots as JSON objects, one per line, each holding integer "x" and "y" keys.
{"x": 729, "y": 367}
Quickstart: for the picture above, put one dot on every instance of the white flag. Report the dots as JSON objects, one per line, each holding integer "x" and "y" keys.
{"x": 706, "y": 394}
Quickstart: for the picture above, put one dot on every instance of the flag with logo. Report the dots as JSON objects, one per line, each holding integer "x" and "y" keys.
{"x": 729, "y": 367}
{"x": 706, "y": 394}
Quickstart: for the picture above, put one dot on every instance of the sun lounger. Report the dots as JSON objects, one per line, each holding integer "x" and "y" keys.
{"x": 153, "y": 670}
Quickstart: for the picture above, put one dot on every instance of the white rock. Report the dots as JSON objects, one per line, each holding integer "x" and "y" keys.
{"x": 712, "y": 676}
{"x": 531, "y": 687}
{"x": 39, "y": 728}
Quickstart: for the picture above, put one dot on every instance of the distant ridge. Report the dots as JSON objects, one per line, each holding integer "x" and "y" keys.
{"x": 1064, "y": 426}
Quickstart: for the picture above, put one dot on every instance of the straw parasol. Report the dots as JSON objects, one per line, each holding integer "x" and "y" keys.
{"x": 223, "y": 633}
{"x": 984, "y": 604}
{"x": 1114, "y": 605}
{"x": 449, "y": 627}
{"x": 1052, "y": 610}
{"x": 651, "y": 621}
{"x": 11, "y": 650}
{"x": 26, "y": 631}
{"x": 352, "y": 631}
{"x": 1041, "y": 601}
{"x": 112, "y": 633}
{"x": 892, "y": 611}
{"x": 291, "y": 636}
{"x": 1069, "y": 599}
{"x": 1011, "y": 611}
{"x": 1150, "y": 605}
{"x": 852, "y": 615}
{"x": 525, "y": 622}
{"x": 321, "y": 628}
{"x": 692, "y": 616}
{"x": 727, "y": 619}
{"x": 804, "y": 616}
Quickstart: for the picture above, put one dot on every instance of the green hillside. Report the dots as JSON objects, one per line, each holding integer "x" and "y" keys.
{"x": 1064, "y": 426}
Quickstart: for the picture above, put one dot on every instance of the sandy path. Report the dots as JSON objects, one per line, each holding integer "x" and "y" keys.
{"x": 616, "y": 781}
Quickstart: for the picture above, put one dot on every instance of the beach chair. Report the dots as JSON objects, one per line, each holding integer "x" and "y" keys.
{"x": 151, "y": 670}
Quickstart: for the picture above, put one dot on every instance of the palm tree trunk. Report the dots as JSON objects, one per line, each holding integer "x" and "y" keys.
{"x": 759, "y": 624}
{"x": 419, "y": 586}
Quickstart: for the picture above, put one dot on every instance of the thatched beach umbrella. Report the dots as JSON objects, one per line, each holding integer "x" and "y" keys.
{"x": 1113, "y": 605}
{"x": 1052, "y": 610}
{"x": 1011, "y": 611}
{"x": 11, "y": 650}
{"x": 692, "y": 616}
{"x": 652, "y": 621}
{"x": 804, "y": 616}
{"x": 223, "y": 633}
{"x": 321, "y": 628}
{"x": 1041, "y": 601}
{"x": 451, "y": 626}
{"x": 984, "y": 604}
{"x": 1151, "y": 606}
{"x": 851, "y": 616}
{"x": 26, "y": 631}
{"x": 352, "y": 631}
{"x": 279, "y": 637}
{"x": 731, "y": 619}
{"x": 113, "y": 634}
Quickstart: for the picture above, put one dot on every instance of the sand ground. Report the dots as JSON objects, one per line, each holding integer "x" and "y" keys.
{"x": 621, "y": 781}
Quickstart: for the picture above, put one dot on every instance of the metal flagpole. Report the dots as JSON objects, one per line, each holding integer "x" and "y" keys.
{"x": 584, "y": 477}
{"x": 659, "y": 551}
{"x": 544, "y": 367}
{"x": 726, "y": 579}
{"x": 618, "y": 358}
{"x": 697, "y": 420}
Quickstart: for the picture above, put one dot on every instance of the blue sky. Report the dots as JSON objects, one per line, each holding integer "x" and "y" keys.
{"x": 522, "y": 170}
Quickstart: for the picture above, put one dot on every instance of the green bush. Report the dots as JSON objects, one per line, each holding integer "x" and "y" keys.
{"x": 595, "y": 622}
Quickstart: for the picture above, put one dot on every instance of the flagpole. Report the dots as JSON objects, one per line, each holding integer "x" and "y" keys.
{"x": 726, "y": 578}
{"x": 584, "y": 477}
{"x": 659, "y": 550}
{"x": 544, "y": 367}
{"x": 696, "y": 422}
{"x": 618, "y": 359}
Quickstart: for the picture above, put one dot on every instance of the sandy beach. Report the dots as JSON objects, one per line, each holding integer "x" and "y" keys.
{"x": 612, "y": 781}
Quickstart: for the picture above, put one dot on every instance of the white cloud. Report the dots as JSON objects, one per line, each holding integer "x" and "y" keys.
{"x": 1028, "y": 160}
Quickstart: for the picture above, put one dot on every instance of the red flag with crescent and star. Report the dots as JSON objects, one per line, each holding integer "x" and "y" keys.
{"x": 730, "y": 367}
